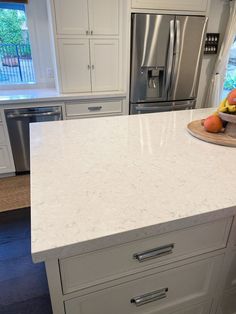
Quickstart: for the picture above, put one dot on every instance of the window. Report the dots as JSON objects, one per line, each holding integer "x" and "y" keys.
{"x": 16, "y": 64}
{"x": 230, "y": 78}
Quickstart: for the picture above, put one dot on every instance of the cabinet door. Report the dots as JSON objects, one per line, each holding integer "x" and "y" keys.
{"x": 231, "y": 277}
{"x": 2, "y": 134}
{"x": 4, "y": 160}
{"x": 104, "y": 17}
{"x": 71, "y": 17}
{"x": 184, "y": 5}
{"x": 105, "y": 64}
{"x": 228, "y": 304}
{"x": 75, "y": 65}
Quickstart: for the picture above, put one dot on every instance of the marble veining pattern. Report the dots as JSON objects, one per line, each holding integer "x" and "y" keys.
{"x": 94, "y": 178}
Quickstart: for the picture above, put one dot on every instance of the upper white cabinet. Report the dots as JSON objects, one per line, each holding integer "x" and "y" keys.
{"x": 87, "y": 17}
{"x": 89, "y": 65}
{"x": 88, "y": 44}
{"x": 183, "y": 5}
{"x": 104, "y": 17}
{"x": 105, "y": 64}
{"x": 74, "y": 65}
{"x": 71, "y": 17}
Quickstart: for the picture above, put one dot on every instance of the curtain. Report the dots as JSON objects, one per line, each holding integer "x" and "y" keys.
{"x": 217, "y": 82}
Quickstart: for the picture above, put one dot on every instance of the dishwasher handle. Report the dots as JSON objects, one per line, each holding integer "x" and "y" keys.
{"x": 31, "y": 115}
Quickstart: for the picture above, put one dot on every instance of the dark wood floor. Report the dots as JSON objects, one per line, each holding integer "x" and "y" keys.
{"x": 23, "y": 285}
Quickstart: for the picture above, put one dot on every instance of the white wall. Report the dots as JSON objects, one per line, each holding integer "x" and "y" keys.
{"x": 218, "y": 13}
{"x": 40, "y": 42}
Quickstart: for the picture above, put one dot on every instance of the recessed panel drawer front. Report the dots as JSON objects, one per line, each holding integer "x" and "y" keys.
{"x": 2, "y": 135}
{"x": 93, "y": 108}
{"x": 228, "y": 304}
{"x": 231, "y": 278}
{"x": 157, "y": 293}
{"x": 103, "y": 265}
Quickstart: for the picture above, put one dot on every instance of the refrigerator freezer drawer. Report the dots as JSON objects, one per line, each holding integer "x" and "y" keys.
{"x": 142, "y": 108}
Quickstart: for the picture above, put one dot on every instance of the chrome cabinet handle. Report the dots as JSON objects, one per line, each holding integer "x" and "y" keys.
{"x": 91, "y": 33}
{"x": 89, "y": 67}
{"x": 150, "y": 297}
{"x": 87, "y": 32}
{"x": 95, "y": 108}
{"x": 154, "y": 253}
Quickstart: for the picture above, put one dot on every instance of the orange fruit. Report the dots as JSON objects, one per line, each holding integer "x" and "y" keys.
{"x": 213, "y": 124}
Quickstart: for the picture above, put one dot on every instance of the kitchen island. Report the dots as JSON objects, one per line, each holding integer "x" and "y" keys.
{"x": 127, "y": 211}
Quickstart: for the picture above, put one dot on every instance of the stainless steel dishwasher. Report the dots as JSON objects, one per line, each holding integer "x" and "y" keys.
{"x": 18, "y": 121}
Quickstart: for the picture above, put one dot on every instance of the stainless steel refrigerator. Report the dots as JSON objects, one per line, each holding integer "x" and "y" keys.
{"x": 166, "y": 57}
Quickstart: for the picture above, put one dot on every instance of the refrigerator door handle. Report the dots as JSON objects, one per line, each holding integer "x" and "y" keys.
{"x": 170, "y": 56}
{"x": 177, "y": 53}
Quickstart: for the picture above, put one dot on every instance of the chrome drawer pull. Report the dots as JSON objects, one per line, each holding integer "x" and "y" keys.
{"x": 150, "y": 297}
{"x": 154, "y": 253}
{"x": 97, "y": 108}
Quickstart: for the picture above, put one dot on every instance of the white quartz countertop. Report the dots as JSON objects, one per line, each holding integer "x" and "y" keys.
{"x": 103, "y": 181}
{"x": 42, "y": 95}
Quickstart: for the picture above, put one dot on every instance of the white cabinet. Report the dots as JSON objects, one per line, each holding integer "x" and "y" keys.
{"x": 5, "y": 163}
{"x": 118, "y": 261}
{"x": 74, "y": 65}
{"x": 104, "y": 17}
{"x": 228, "y": 305}
{"x": 87, "y": 17}
{"x": 105, "y": 64}
{"x": 88, "y": 41}
{"x": 75, "y": 110}
{"x": 183, "y": 5}
{"x": 6, "y": 159}
{"x": 2, "y": 135}
{"x": 231, "y": 278}
{"x": 89, "y": 65}
{"x": 71, "y": 17}
{"x": 155, "y": 293}
{"x": 117, "y": 280}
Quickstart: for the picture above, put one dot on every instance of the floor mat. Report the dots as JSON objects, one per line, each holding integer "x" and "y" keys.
{"x": 14, "y": 192}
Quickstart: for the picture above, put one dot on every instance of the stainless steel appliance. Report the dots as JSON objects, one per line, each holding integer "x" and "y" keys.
{"x": 18, "y": 121}
{"x": 166, "y": 55}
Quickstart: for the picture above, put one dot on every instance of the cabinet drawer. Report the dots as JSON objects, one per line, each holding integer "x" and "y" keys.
{"x": 231, "y": 278}
{"x": 81, "y": 271}
{"x": 93, "y": 108}
{"x": 4, "y": 159}
{"x": 156, "y": 293}
{"x": 228, "y": 305}
{"x": 2, "y": 135}
{"x": 185, "y": 5}
{"x": 203, "y": 308}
